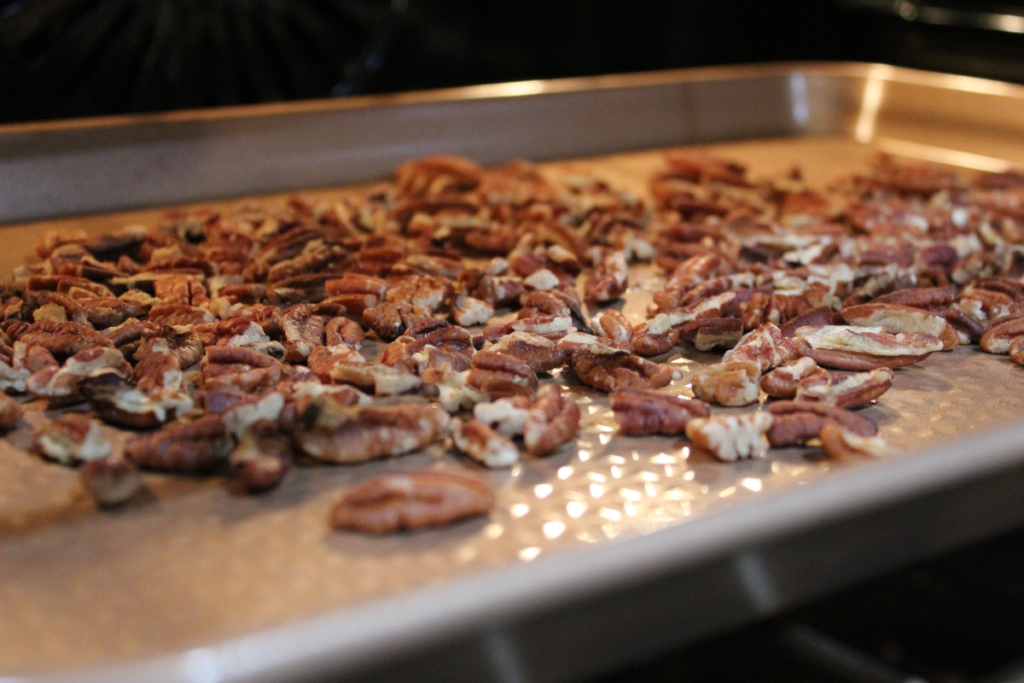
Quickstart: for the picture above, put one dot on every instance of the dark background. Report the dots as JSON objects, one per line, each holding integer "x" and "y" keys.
{"x": 70, "y": 58}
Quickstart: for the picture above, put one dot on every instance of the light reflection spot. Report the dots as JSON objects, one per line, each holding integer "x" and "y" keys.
{"x": 575, "y": 509}
{"x": 751, "y": 484}
{"x": 596, "y": 490}
{"x": 689, "y": 475}
{"x": 565, "y": 472}
{"x": 610, "y": 515}
{"x": 519, "y": 509}
{"x": 527, "y": 554}
{"x": 630, "y": 494}
{"x": 554, "y": 529}
{"x": 725, "y": 493}
{"x": 493, "y": 530}
{"x": 542, "y": 490}
{"x": 604, "y": 439}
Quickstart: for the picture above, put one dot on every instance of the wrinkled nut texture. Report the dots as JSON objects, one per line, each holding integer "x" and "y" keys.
{"x": 845, "y": 390}
{"x": 866, "y": 348}
{"x": 841, "y": 444}
{"x": 550, "y": 422}
{"x": 263, "y": 456}
{"x": 782, "y": 381}
{"x": 541, "y": 354}
{"x": 732, "y": 383}
{"x": 642, "y": 412}
{"x": 111, "y": 481}
{"x": 607, "y": 372}
{"x": 506, "y": 415}
{"x": 332, "y": 432}
{"x": 70, "y": 439}
{"x": 894, "y": 319}
{"x": 731, "y": 437}
{"x": 797, "y": 422}
{"x": 765, "y": 346}
{"x": 413, "y": 500}
{"x": 187, "y": 446}
{"x": 999, "y": 337}
{"x": 483, "y": 444}
{"x": 611, "y": 324}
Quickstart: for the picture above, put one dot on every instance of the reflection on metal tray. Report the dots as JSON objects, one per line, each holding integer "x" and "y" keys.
{"x": 598, "y": 554}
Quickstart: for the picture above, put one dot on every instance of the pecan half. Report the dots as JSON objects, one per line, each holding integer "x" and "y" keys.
{"x": 384, "y": 380}
{"x": 62, "y": 339}
{"x": 765, "y": 346}
{"x": 550, "y": 422}
{"x": 62, "y": 383}
{"x": 646, "y": 344}
{"x": 541, "y": 354}
{"x": 1016, "y": 350}
{"x": 842, "y": 444}
{"x": 344, "y": 331}
{"x": 70, "y": 439}
{"x": 390, "y": 320}
{"x": 507, "y": 416}
{"x": 607, "y": 372}
{"x": 816, "y": 317}
{"x": 332, "y": 432}
{"x": 11, "y": 412}
{"x": 731, "y": 437}
{"x": 797, "y": 422}
{"x": 609, "y": 278}
{"x": 732, "y": 383}
{"x": 25, "y": 362}
{"x": 552, "y": 327}
{"x": 642, "y": 412}
{"x": 846, "y": 391}
{"x": 782, "y": 381}
{"x": 186, "y": 446}
{"x": 111, "y": 481}
{"x": 467, "y": 311}
{"x": 894, "y": 319}
{"x": 411, "y": 500}
{"x": 303, "y": 331}
{"x": 497, "y": 375}
{"x": 483, "y": 444}
{"x": 999, "y": 337}
{"x": 611, "y": 324}
{"x": 263, "y": 456}
{"x": 859, "y": 348}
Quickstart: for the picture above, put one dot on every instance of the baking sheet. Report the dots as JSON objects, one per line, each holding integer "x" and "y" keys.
{"x": 198, "y": 561}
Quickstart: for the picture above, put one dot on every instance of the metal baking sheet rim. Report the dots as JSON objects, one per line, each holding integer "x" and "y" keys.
{"x": 368, "y": 634}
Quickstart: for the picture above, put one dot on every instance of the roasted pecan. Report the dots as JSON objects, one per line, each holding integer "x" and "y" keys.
{"x": 765, "y": 346}
{"x": 642, "y": 412}
{"x": 782, "y": 381}
{"x": 613, "y": 325}
{"x": 383, "y": 380}
{"x": 610, "y": 372}
{"x": 846, "y": 391}
{"x": 325, "y": 359}
{"x": 468, "y": 311}
{"x": 894, "y": 318}
{"x": 263, "y": 456}
{"x": 856, "y": 348}
{"x": 541, "y": 354}
{"x": 483, "y": 444}
{"x": 816, "y": 317}
{"x": 732, "y": 383}
{"x": 115, "y": 400}
{"x": 390, "y": 320}
{"x": 968, "y": 328}
{"x": 111, "y": 481}
{"x": 179, "y": 315}
{"x": 436, "y": 175}
{"x": 411, "y": 500}
{"x": 731, "y": 437}
{"x": 609, "y": 278}
{"x": 999, "y": 337}
{"x": 62, "y": 339}
{"x": 1016, "y": 350}
{"x": 646, "y": 344}
{"x": 842, "y": 444}
{"x": 303, "y": 332}
{"x": 550, "y": 422}
{"x": 70, "y": 439}
{"x": 575, "y": 341}
{"x": 10, "y": 412}
{"x": 419, "y": 291}
{"x": 797, "y": 422}
{"x": 186, "y": 446}
{"x": 498, "y": 375}
{"x": 62, "y": 383}
{"x": 551, "y": 327}
{"x": 506, "y": 415}
{"x": 344, "y": 331}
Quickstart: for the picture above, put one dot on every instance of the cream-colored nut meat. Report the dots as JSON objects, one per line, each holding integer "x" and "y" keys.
{"x": 731, "y": 437}
{"x": 734, "y": 383}
{"x": 483, "y": 444}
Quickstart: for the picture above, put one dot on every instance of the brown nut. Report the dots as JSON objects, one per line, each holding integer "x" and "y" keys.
{"x": 11, "y": 412}
{"x": 62, "y": 383}
{"x": 303, "y": 332}
{"x": 411, "y": 500}
{"x": 263, "y": 456}
{"x": 853, "y": 348}
{"x": 642, "y": 412}
{"x": 507, "y": 416}
{"x": 1016, "y": 350}
{"x": 841, "y": 444}
{"x": 541, "y": 354}
{"x": 999, "y": 337}
{"x": 344, "y": 331}
{"x": 816, "y": 317}
{"x": 611, "y": 324}
{"x": 608, "y": 372}
{"x": 111, "y": 481}
{"x": 894, "y": 319}
{"x": 782, "y": 381}
{"x": 186, "y": 446}
{"x": 646, "y": 344}
{"x": 552, "y": 327}
{"x": 798, "y": 422}
{"x": 498, "y": 375}
{"x": 846, "y": 391}
{"x": 332, "y": 432}
{"x": 765, "y": 346}
{"x": 62, "y": 339}
{"x": 383, "y": 380}
{"x": 483, "y": 444}
{"x": 70, "y": 439}
{"x": 731, "y": 437}
{"x": 609, "y": 278}
{"x": 390, "y": 320}
{"x": 550, "y": 422}
{"x": 922, "y": 297}
{"x": 732, "y": 383}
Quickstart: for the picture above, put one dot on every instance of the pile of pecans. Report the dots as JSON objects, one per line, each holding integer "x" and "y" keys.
{"x": 236, "y": 341}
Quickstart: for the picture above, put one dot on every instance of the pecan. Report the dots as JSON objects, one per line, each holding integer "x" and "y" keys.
{"x": 62, "y": 339}
{"x": 325, "y": 359}
{"x": 609, "y": 278}
{"x": 816, "y": 317}
{"x": 438, "y": 174}
{"x": 70, "y": 439}
{"x": 251, "y": 410}
{"x": 419, "y": 291}
{"x": 103, "y": 312}
{"x": 857, "y": 348}
{"x": 303, "y": 332}
{"x": 765, "y": 346}
{"x": 186, "y": 446}
{"x": 611, "y": 324}
{"x": 25, "y": 361}
{"x": 800, "y": 421}
{"x": 483, "y": 444}
{"x": 115, "y": 400}
{"x": 574, "y": 341}
{"x": 610, "y": 372}
{"x": 179, "y": 290}
{"x": 411, "y": 500}
{"x": 384, "y": 380}
{"x": 968, "y": 328}
{"x": 262, "y": 457}
{"x": 845, "y": 445}
{"x": 390, "y": 320}
{"x": 541, "y": 354}
{"x": 507, "y": 416}
{"x": 332, "y": 432}
{"x": 1016, "y": 350}
{"x": 174, "y": 315}
{"x": 498, "y": 375}
{"x": 111, "y": 481}
{"x": 542, "y": 280}
{"x": 10, "y": 412}
{"x": 468, "y": 311}
{"x": 646, "y": 344}
{"x": 344, "y": 331}
{"x": 731, "y": 437}
{"x": 846, "y": 391}
{"x": 731, "y": 383}
{"x": 642, "y": 412}
{"x": 550, "y": 422}
{"x": 551, "y": 327}
{"x": 999, "y": 337}
{"x": 894, "y": 318}
{"x": 782, "y": 381}
{"x": 62, "y": 383}
{"x": 922, "y": 297}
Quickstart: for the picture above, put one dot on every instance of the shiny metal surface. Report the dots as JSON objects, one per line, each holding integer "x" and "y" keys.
{"x": 594, "y": 555}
